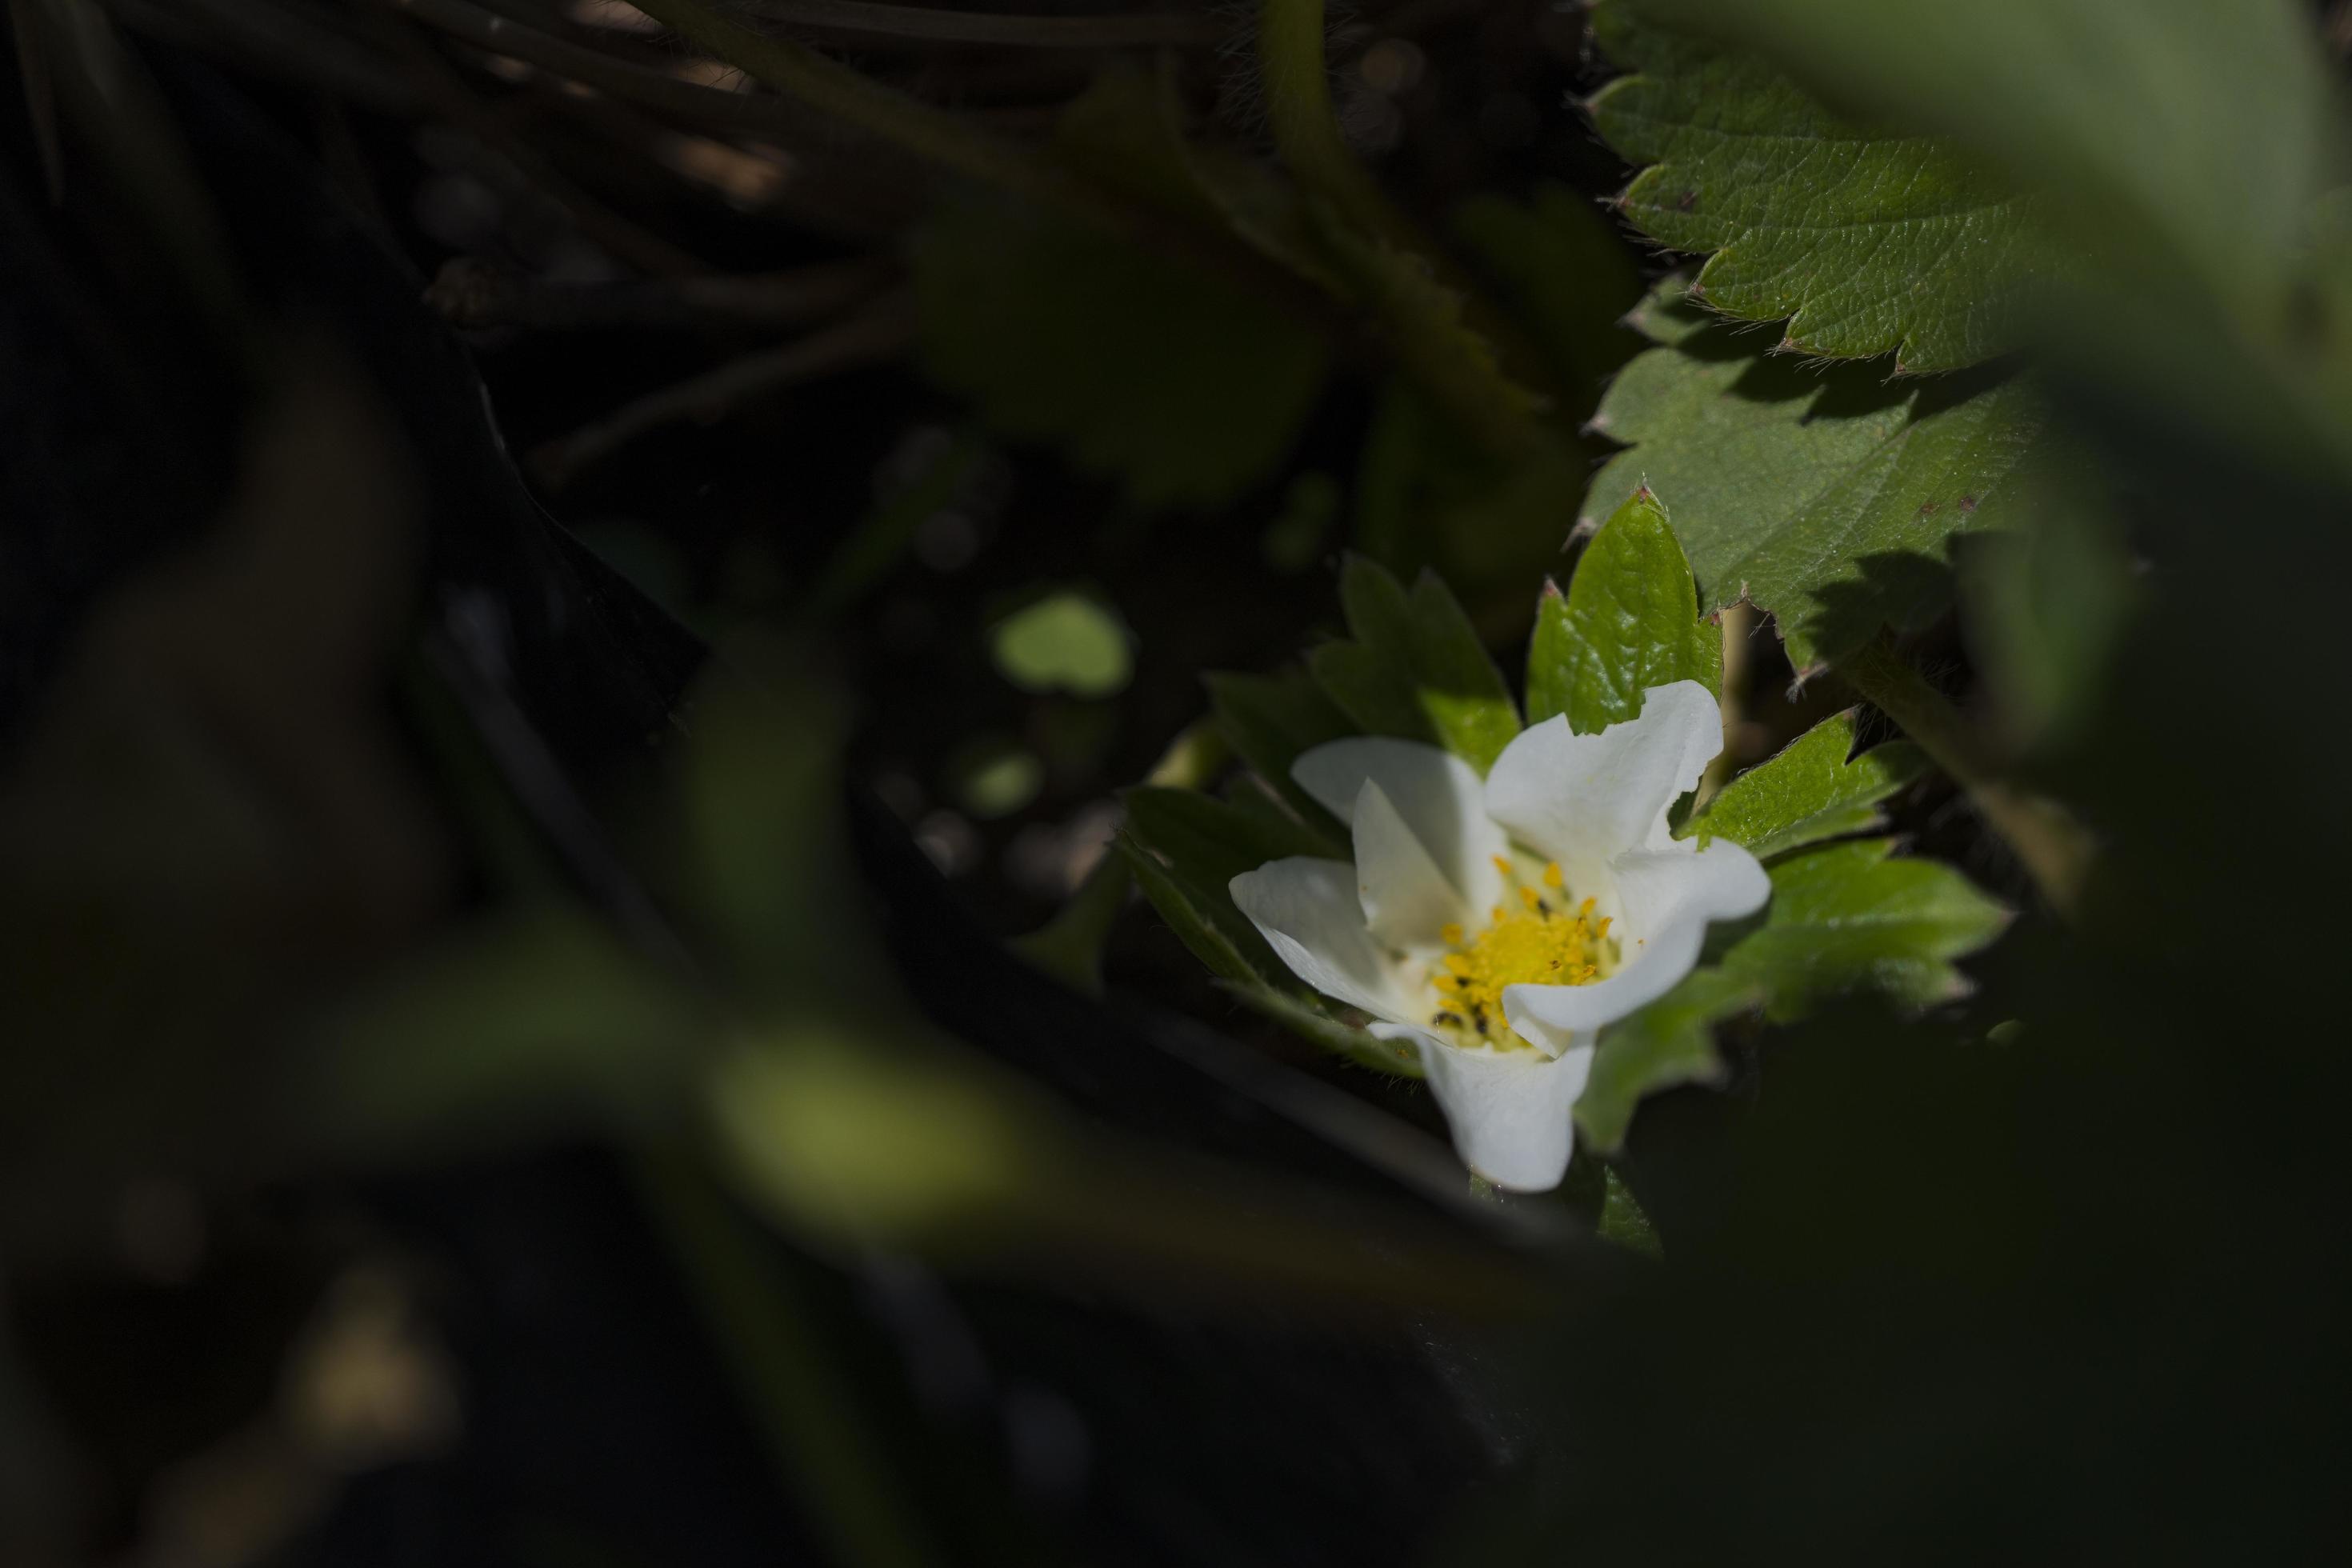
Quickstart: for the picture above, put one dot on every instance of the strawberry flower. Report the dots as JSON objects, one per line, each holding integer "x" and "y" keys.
{"x": 1501, "y": 923}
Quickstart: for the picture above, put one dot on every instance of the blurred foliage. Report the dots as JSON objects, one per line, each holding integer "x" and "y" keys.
{"x": 478, "y": 1089}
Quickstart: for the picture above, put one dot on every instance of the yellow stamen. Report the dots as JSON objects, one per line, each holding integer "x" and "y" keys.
{"x": 1501, "y": 864}
{"x": 1551, "y": 875}
{"x": 1541, "y": 944}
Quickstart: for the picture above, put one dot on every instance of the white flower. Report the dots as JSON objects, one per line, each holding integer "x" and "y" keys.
{"x": 1502, "y": 923}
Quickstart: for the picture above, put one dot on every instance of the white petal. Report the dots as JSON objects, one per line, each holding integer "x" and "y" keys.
{"x": 1509, "y": 1110}
{"x": 1583, "y": 800}
{"x": 1438, "y": 794}
{"x": 1306, "y": 908}
{"x": 1668, "y": 897}
{"x": 1407, "y": 901}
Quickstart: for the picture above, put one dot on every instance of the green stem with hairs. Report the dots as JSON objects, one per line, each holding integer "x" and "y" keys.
{"x": 2056, "y": 850}
{"x": 826, "y": 85}
{"x": 1440, "y": 331}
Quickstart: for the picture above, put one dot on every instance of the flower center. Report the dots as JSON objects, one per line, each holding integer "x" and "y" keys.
{"x": 1543, "y": 942}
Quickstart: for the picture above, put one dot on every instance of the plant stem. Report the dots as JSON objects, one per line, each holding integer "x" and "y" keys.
{"x": 2055, "y": 849}
{"x": 1438, "y": 326}
{"x": 948, "y": 140}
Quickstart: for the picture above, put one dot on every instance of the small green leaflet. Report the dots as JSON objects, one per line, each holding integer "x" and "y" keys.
{"x": 1810, "y": 791}
{"x": 1669, "y": 1043}
{"x": 1828, "y": 498}
{"x": 1415, "y": 667}
{"x": 1866, "y": 241}
{"x": 1851, "y": 916}
{"x": 1628, "y": 622}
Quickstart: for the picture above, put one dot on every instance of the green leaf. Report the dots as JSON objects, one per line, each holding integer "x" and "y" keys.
{"x": 1303, "y": 1016}
{"x": 1810, "y": 791}
{"x": 1175, "y": 903}
{"x": 1063, "y": 642}
{"x": 1628, "y": 622}
{"x": 1669, "y": 1043}
{"x": 1827, "y": 498}
{"x": 1850, "y": 918}
{"x": 1186, "y": 386}
{"x": 1868, "y": 241}
{"x": 1211, "y": 841}
{"x": 1268, "y": 719}
{"x": 1415, "y": 669}
{"x": 2203, "y": 129}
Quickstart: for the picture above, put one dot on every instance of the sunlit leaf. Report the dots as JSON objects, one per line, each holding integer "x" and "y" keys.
{"x": 1829, "y": 499}
{"x": 1628, "y": 622}
{"x": 1854, "y": 917}
{"x": 1810, "y": 791}
{"x": 1867, "y": 240}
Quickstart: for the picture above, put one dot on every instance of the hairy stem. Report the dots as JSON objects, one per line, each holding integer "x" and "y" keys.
{"x": 950, "y": 141}
{"x": 1438, "y": 328}
{"x": 2055, "y": 849}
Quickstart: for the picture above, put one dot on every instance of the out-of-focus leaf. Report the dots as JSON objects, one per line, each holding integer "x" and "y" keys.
{"x": 1628, "y": 622}
{"x": 1572, "y": 275}
{"x": 1426, "y": 496}
{"x": 2180, "y": 145}
{"x": 1415, "y": 667}
{"x": 1810, "y": 791}
{"x": 1849, "y": 917}
{"x": 1268, "y": 719}
{"x": 522, "y": 1027}
{"x": 1827, "y": 499}
{"x": 1868, "y": 240}
{"x": 1296, "y": 534}
{"x": 2045, "y": 609}
{"x": 1065, "y": 642}
{"x": 1669, "y": 1043}
{"x": 1185, "y": 385}
{"x": 996, "y": 777}
{"x": 848, "y": 1137}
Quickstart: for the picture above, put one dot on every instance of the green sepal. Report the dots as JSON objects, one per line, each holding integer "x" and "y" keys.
{"x": 1628, "y": 622}
{"x": 1810, "y": 791}
{"x": 1624, "y": 1223}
